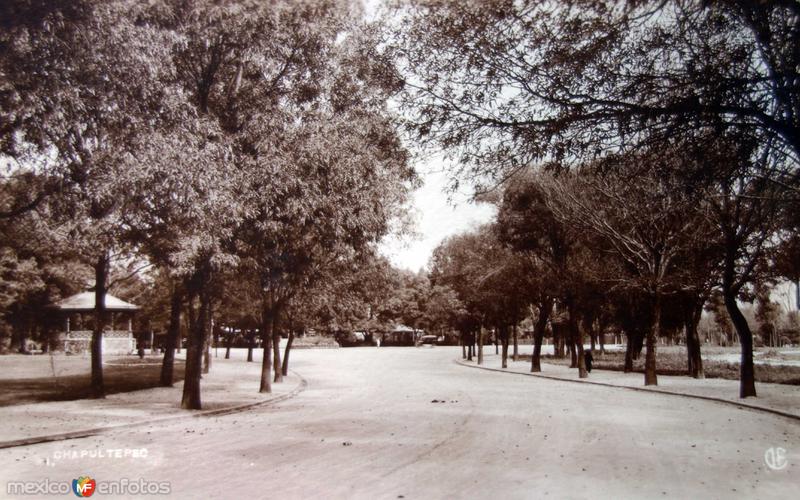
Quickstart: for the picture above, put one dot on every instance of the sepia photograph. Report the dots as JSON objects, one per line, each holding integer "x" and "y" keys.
{"x": 400, "y": 249}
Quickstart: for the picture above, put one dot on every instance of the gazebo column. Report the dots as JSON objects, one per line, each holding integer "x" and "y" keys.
{"x": 134, "y": 341}
{"x": 66, "y": 334}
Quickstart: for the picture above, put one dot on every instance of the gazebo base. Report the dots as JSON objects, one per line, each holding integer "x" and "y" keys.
{"x": 114, "y": 342}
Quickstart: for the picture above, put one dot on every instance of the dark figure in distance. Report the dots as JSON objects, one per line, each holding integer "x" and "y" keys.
{"x": 588, "y": 358}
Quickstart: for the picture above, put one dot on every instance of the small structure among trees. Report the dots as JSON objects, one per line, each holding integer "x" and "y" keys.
{"x": 77, "y": 312}
{"x": 400, "y": 335}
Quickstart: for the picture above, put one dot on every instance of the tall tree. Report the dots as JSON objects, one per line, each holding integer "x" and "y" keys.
{"x": 647, "y": 217}
{"x": 528, "y": 224}
{"x": 81, "y": 85}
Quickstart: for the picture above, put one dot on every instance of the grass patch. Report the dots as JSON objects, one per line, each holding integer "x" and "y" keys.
{"x": 674, "y": 363}
{"x": 39, "y": 385}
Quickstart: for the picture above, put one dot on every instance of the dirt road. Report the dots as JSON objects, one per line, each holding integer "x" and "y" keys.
{"x": 410, "y": 423}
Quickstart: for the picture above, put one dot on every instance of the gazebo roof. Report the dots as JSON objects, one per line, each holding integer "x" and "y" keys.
{"x": 84, "y": 301}
{"x": 402, "y": 328}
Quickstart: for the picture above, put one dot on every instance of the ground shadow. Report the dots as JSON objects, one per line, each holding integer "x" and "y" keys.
{"x": 120, "y": 377}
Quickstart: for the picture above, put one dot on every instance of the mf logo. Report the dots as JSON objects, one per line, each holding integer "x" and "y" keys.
{"x": 775, "y": 458}
{"x": 84, "y": 486}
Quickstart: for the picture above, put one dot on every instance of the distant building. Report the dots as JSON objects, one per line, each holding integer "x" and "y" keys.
{"x": 400, "y": 335}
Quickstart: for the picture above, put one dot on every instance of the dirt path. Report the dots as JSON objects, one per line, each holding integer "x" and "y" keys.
{"x": 367, "y": 427}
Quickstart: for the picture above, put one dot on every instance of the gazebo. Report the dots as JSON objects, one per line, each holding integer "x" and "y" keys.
{"x": 400, "y": 335}
{"x": 115, "y": 341}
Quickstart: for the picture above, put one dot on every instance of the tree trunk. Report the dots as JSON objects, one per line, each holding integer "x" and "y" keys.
{"x": 251, "y": 343}
{"x": 215, "y": 337}
{"x": 480, "y": 345}
{"x": 601, "y": 336}
{"x": 276, "y": 347}
{"x": 503, "y": 334}
{"x": 650, "y": 377}
{"x": 629, "y": 353}
{"x": 266, "y": 340}
{"x": 573, "y": 355}
{"x": 577, "y": 335}
{"x": 515, "y": 353}
{"x": 98, "y": 389}
{"x": 463, "y": 347}
{"x": 588, "y": 327}
{"x": 173, "y": 334}
{"x": 285, "y": 367}
{"x": 559, "y": 347}
{"x": 538, "y": 333}
{"x": 638, "y": 343}
{"x": 695, "y": 360}
{"x": 194, "y": 351}
{"x": 747, "y": 381}
{"x": 207, "y": 334}
{"x": 266, "y": 362}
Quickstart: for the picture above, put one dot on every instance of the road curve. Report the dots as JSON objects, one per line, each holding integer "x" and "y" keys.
{"x": 409, "y": 423}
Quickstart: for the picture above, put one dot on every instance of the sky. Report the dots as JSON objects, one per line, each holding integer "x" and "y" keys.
{"x": 436, "y": 217}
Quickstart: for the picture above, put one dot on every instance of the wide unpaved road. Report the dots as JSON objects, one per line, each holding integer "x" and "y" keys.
{"x": 366, "y": 427}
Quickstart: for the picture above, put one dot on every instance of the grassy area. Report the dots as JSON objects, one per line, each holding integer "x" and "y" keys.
{"x": 34, "y": 379}
{"x": 673, "y": 362}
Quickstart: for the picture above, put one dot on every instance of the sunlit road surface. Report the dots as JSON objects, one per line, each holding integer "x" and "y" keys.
{"x": 410, "y": 423}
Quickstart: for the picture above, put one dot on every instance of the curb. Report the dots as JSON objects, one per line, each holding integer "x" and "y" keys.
{"x": 640, "y": 389}
{"x": 301, "y": 386}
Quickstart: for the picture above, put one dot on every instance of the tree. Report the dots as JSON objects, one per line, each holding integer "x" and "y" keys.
{"x": 502, "y": 85}
{"x": 487, "y": 279}
{"x": 747, "y": 211}
{"x": 767, "y": 314}
{"x": 321, "y": 168}
{"x": 528, "y": 224}
{"x": 443, "y": 309}
{"x": 647, "y": 218}
{"x": 406, "y": 301}
{"x": 89, "y": 92}
{"x": 455, "y": 263}
{"x": 38, "y": 265}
